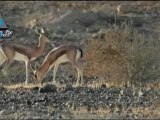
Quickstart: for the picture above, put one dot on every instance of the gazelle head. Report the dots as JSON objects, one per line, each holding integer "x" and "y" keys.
{"x": 42, "y": 31}
{"x": 38, "y": 76}
{"x": 36, "y": 73}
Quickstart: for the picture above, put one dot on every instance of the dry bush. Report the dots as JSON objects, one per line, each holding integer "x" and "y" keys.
{"x": 123, "y": 54}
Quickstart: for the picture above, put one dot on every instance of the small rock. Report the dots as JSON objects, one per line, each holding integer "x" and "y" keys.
{"x": 28, "y": 102}
{"x": 69, "y": 104}
{"x": 114, "y": 90}
{"x": 35, "y": 88}
{"x": 2, "y": 88}
{"x": 68, "y": 88}
{"x": 106, "y": 8}
{"x": 48, "y": 87}
{"x": 103, "y": 86}
{"x": 2, "y": 112}
{"x": 125, "y": 8}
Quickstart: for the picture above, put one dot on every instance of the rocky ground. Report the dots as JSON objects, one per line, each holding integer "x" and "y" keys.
{"x": 71, "y": 22}
{"x": 31, "y": 103}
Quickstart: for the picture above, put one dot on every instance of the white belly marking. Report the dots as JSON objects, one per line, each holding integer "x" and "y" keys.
{"x": 62, "y": 59}
{"x": 20, "y": 57}
{"x": 33, "y": 58}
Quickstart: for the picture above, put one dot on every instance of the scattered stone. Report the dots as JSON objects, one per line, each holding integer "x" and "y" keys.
{"x": 48, "y": 87}
{"x": 2, "y": 88}
{"x": 69, "y": 88}
{"x": 103, "y": 86}
{"x": 28, "y": 102}
{"x": 74, "y": 27}
{"x": 35, "y": 88}
{"x": 125, "y": 8}
{"x": 106, "y": 8}
{"x": 2, "y": 112}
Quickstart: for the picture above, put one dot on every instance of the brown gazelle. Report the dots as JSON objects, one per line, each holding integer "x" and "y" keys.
{"x": 10, "y": 51}
{"x": 62, "y": 54}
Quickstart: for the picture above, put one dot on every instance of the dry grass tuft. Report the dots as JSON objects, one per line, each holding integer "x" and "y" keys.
{"x": 21, "y": 85}
{"x": 123, "y": 55}
{"x": 115, "y": 113}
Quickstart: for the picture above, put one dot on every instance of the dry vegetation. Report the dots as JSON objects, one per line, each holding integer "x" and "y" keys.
{"x": 119, "y": 55}
{"x": 123, "y": 55}
{"x": 101, "y": 113}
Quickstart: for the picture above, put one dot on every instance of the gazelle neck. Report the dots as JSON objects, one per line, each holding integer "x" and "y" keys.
{"x": 42, "y": 44}
{"x": 44, "y": 68}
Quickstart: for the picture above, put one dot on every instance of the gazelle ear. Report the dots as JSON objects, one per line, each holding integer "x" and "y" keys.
{"x": 37, "y": 65}
{"x": 38, "y": 30}
{"x": 42, "y": 30}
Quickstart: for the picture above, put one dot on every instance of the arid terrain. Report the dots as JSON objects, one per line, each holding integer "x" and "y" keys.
{"x": 120, "y": 41}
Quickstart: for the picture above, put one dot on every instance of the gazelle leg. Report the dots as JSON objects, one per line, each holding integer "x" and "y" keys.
{"x": 2, "y": 60}
{"x": 78, "y": 76}
{"x": 81, "y": 75}
{"x": 5, "y": 69}
{"x": 27, "y": 64}
{"x": 82, "y": 82}
{"x": 75, "y": 60}
{"x": 9, "y": 54}
{"x": 78, "y": 73}
{"x": 54, "y": 72}
{"x": 81, "y": 71}
{"x": 79, "y": 67}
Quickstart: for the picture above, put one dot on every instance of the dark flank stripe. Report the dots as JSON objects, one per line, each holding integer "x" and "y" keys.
{"x": 54, "y": 55}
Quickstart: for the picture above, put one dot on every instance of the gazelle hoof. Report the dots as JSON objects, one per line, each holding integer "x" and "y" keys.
{"x": 54, "y": 82}
{"x": 26, "y": 83}
{"x": 76, "y": 85}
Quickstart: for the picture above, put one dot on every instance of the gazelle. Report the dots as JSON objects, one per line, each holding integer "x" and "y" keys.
{"x": 62, "y": 54}
{"x": 10, "y": 51}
